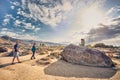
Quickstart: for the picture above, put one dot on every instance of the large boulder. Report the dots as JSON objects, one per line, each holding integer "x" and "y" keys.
{"x": 3, "y": 49}
{"x": 85, "y": 56}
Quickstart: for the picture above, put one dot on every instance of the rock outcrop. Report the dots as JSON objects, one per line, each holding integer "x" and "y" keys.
{"x": 3, "y": 49}
{"x": 86, "y": 56}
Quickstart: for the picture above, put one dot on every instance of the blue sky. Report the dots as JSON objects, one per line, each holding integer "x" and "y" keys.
{"x": 61, "y": 20}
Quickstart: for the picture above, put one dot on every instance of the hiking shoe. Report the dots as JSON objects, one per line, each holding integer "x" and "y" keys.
{"x": 12, "y": 63}
{"x": 19, "y": 62}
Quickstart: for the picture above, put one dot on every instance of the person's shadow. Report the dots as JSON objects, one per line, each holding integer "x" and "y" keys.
{"x": 8, "y": 64}
{"x": 4, "y": 65}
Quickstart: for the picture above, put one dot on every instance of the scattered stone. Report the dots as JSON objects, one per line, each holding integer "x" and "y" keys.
{"x": 51, "y": 56}
{"x": 10, "y": 53}
{"x": 117, "y": 55}
{"x": 42, "y": 53}
{"x": 26, "y": 53}
{"x": 55, "y": 54}
{"x": 44, "y": 61}
{"x": 42, "y": 50}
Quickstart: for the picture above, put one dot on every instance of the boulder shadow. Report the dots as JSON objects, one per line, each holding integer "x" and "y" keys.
{"x": 65, "y": 69}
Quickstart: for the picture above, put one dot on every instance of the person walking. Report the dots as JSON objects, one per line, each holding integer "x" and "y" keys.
{"x": 33, "y": 51}
{"x": 16, "y": 52}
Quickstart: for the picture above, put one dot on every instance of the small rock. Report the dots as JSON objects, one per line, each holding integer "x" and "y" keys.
{"x": 44, "y": 61}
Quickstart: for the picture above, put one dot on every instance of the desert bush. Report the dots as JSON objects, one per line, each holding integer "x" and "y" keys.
{"x": 102, "y": 45}
{"x": 55, "y": 54}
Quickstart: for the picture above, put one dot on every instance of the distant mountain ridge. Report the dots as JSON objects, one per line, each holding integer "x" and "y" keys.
{"x": 27, "y": 42}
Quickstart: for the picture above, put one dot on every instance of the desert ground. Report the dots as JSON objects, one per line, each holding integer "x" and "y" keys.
{"x": 48, "y": 66}
{"x": 56, "y": 70}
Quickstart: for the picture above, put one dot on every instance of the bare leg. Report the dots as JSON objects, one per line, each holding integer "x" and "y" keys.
{"x": 18, "y": 59}
{"x": 13, "y": 60}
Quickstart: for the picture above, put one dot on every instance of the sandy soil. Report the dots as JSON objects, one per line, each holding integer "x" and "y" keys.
{"x": 57, "y": 70}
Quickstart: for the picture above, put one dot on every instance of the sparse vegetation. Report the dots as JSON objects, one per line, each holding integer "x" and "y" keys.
{"x": 102, "y": 45}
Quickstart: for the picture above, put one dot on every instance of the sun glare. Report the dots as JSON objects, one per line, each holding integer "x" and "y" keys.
{"x": 91, "y": 17}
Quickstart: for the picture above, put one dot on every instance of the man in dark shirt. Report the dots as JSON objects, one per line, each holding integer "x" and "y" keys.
{"x": 16, "y": 52}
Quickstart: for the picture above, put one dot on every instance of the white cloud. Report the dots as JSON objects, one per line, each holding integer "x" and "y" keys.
{"x": 28, "y": 25}
{"x": 48, "y": 15}
{"x": 21, "y": 12}
{"x": 23, "y": 2}
{"x": 8, "y": 16}
{"x": 4, "y": 29}
{"x": 37, "y": 29}
{"x": 108, "y": 33}
{"x": 67, "y": 6}
{"x": 17, "y": 23}
{"x": 23, "y": 30}
{"x": 113, "y": 10}
{"x": 15, "y": 3}
{"x": 27, "y": 37}
{"x": 110, "y": 11}
{"x": 12, "y": 7}
{"x": 114, "y": 41}
{"x": 7, "y": 19}
{"x": 11, "y": 34}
